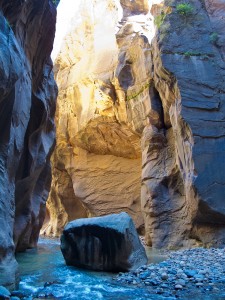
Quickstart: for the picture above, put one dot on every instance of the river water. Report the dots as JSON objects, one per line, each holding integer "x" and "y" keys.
{"x": 44, "y": 275}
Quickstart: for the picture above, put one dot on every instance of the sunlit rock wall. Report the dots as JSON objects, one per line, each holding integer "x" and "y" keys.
{"x": 27, "y": 105}
{"x": 183, "y": 145}
{"x": 103, "y": 72}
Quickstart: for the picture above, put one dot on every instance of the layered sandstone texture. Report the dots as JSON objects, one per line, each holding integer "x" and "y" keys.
{"x": 27, "y": 105}
{"x": 103, "y": 73}
{"x": 183, "y": 183}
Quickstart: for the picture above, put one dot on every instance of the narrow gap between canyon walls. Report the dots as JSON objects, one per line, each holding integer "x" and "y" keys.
{"x": 102, "y": 109}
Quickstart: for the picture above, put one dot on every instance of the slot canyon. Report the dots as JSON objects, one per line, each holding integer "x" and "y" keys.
{"x": 111, "y": 107}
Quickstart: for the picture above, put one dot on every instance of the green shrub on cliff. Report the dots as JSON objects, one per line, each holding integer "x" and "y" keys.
{"x": 190, "y": 53}
{"x": 185, "y": 9}
{"x": 214, "y": 38}
{"x": 159, "y": 19}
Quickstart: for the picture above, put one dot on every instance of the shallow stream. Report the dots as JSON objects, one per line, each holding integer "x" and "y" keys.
{"x": 44, "y": 275}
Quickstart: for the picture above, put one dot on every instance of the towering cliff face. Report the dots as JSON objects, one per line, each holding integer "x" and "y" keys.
{"x": 183, "y": 147}
{"x": 27, "y": 104}
{"x": 116, "y": 85}
{"x": 103, "y": 76}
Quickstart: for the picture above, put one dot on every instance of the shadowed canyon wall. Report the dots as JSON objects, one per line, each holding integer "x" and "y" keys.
{"x": 27, "y": 106}
{"x": 183, "y": 148}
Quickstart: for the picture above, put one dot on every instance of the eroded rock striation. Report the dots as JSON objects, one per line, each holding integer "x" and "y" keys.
{"x": 183, "y": 145}
{"x": 108, "y": 243}
{"x": 27, "y": 106}
{"x": 116, "y": 85}
{"x": 103, "y": 76}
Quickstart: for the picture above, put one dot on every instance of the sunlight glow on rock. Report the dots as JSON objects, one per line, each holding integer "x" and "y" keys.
{"x": 68, "y": 13}
{"x": 65, "y": 12}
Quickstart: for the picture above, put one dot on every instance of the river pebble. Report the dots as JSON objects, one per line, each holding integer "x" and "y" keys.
{"x": 184, "y": 270}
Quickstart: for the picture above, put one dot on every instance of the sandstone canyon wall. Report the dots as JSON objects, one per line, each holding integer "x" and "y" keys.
{"x": 27, "y": 105}
{"x": 183, "y": 148}
{"x": 103, "y": 76}
{"x": 117, "y": 85}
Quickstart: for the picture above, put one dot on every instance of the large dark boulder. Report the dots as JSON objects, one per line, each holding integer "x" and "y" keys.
{"x": 108, "y": 243}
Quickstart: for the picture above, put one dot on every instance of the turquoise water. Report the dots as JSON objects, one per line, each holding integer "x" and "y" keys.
{"x": 45, "y": 275}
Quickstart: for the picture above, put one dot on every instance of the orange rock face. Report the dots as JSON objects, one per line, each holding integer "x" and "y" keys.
{"x": 119, "y": 89}
{"x": 103, "y": 77}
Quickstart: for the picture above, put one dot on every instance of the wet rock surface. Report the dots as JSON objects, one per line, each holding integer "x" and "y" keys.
{"x": 196, "y": 273}
{"x": 108, "y": 243}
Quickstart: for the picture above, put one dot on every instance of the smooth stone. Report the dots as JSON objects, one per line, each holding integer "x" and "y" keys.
{"x": 178, "y": 287}
{"x": 164, "y": 276}
{"x": 144, "y": 275}
{"x": 180, "y": 282}
{"x": 190, "y": 273}
{"x": 199, "y": 284}
{"x": 153, "y": 282}
{"x": 199, "y": 279}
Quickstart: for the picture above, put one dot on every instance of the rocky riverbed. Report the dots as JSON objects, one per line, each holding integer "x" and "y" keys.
{"x": 197, "y": 273}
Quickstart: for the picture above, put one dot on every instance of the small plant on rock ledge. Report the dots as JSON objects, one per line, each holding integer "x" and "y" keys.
{"x": 185, "y": 9}
{"x": 159, "y": 19}
{"x": 214, "y": 38}
{"x": 189, "y": 54}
